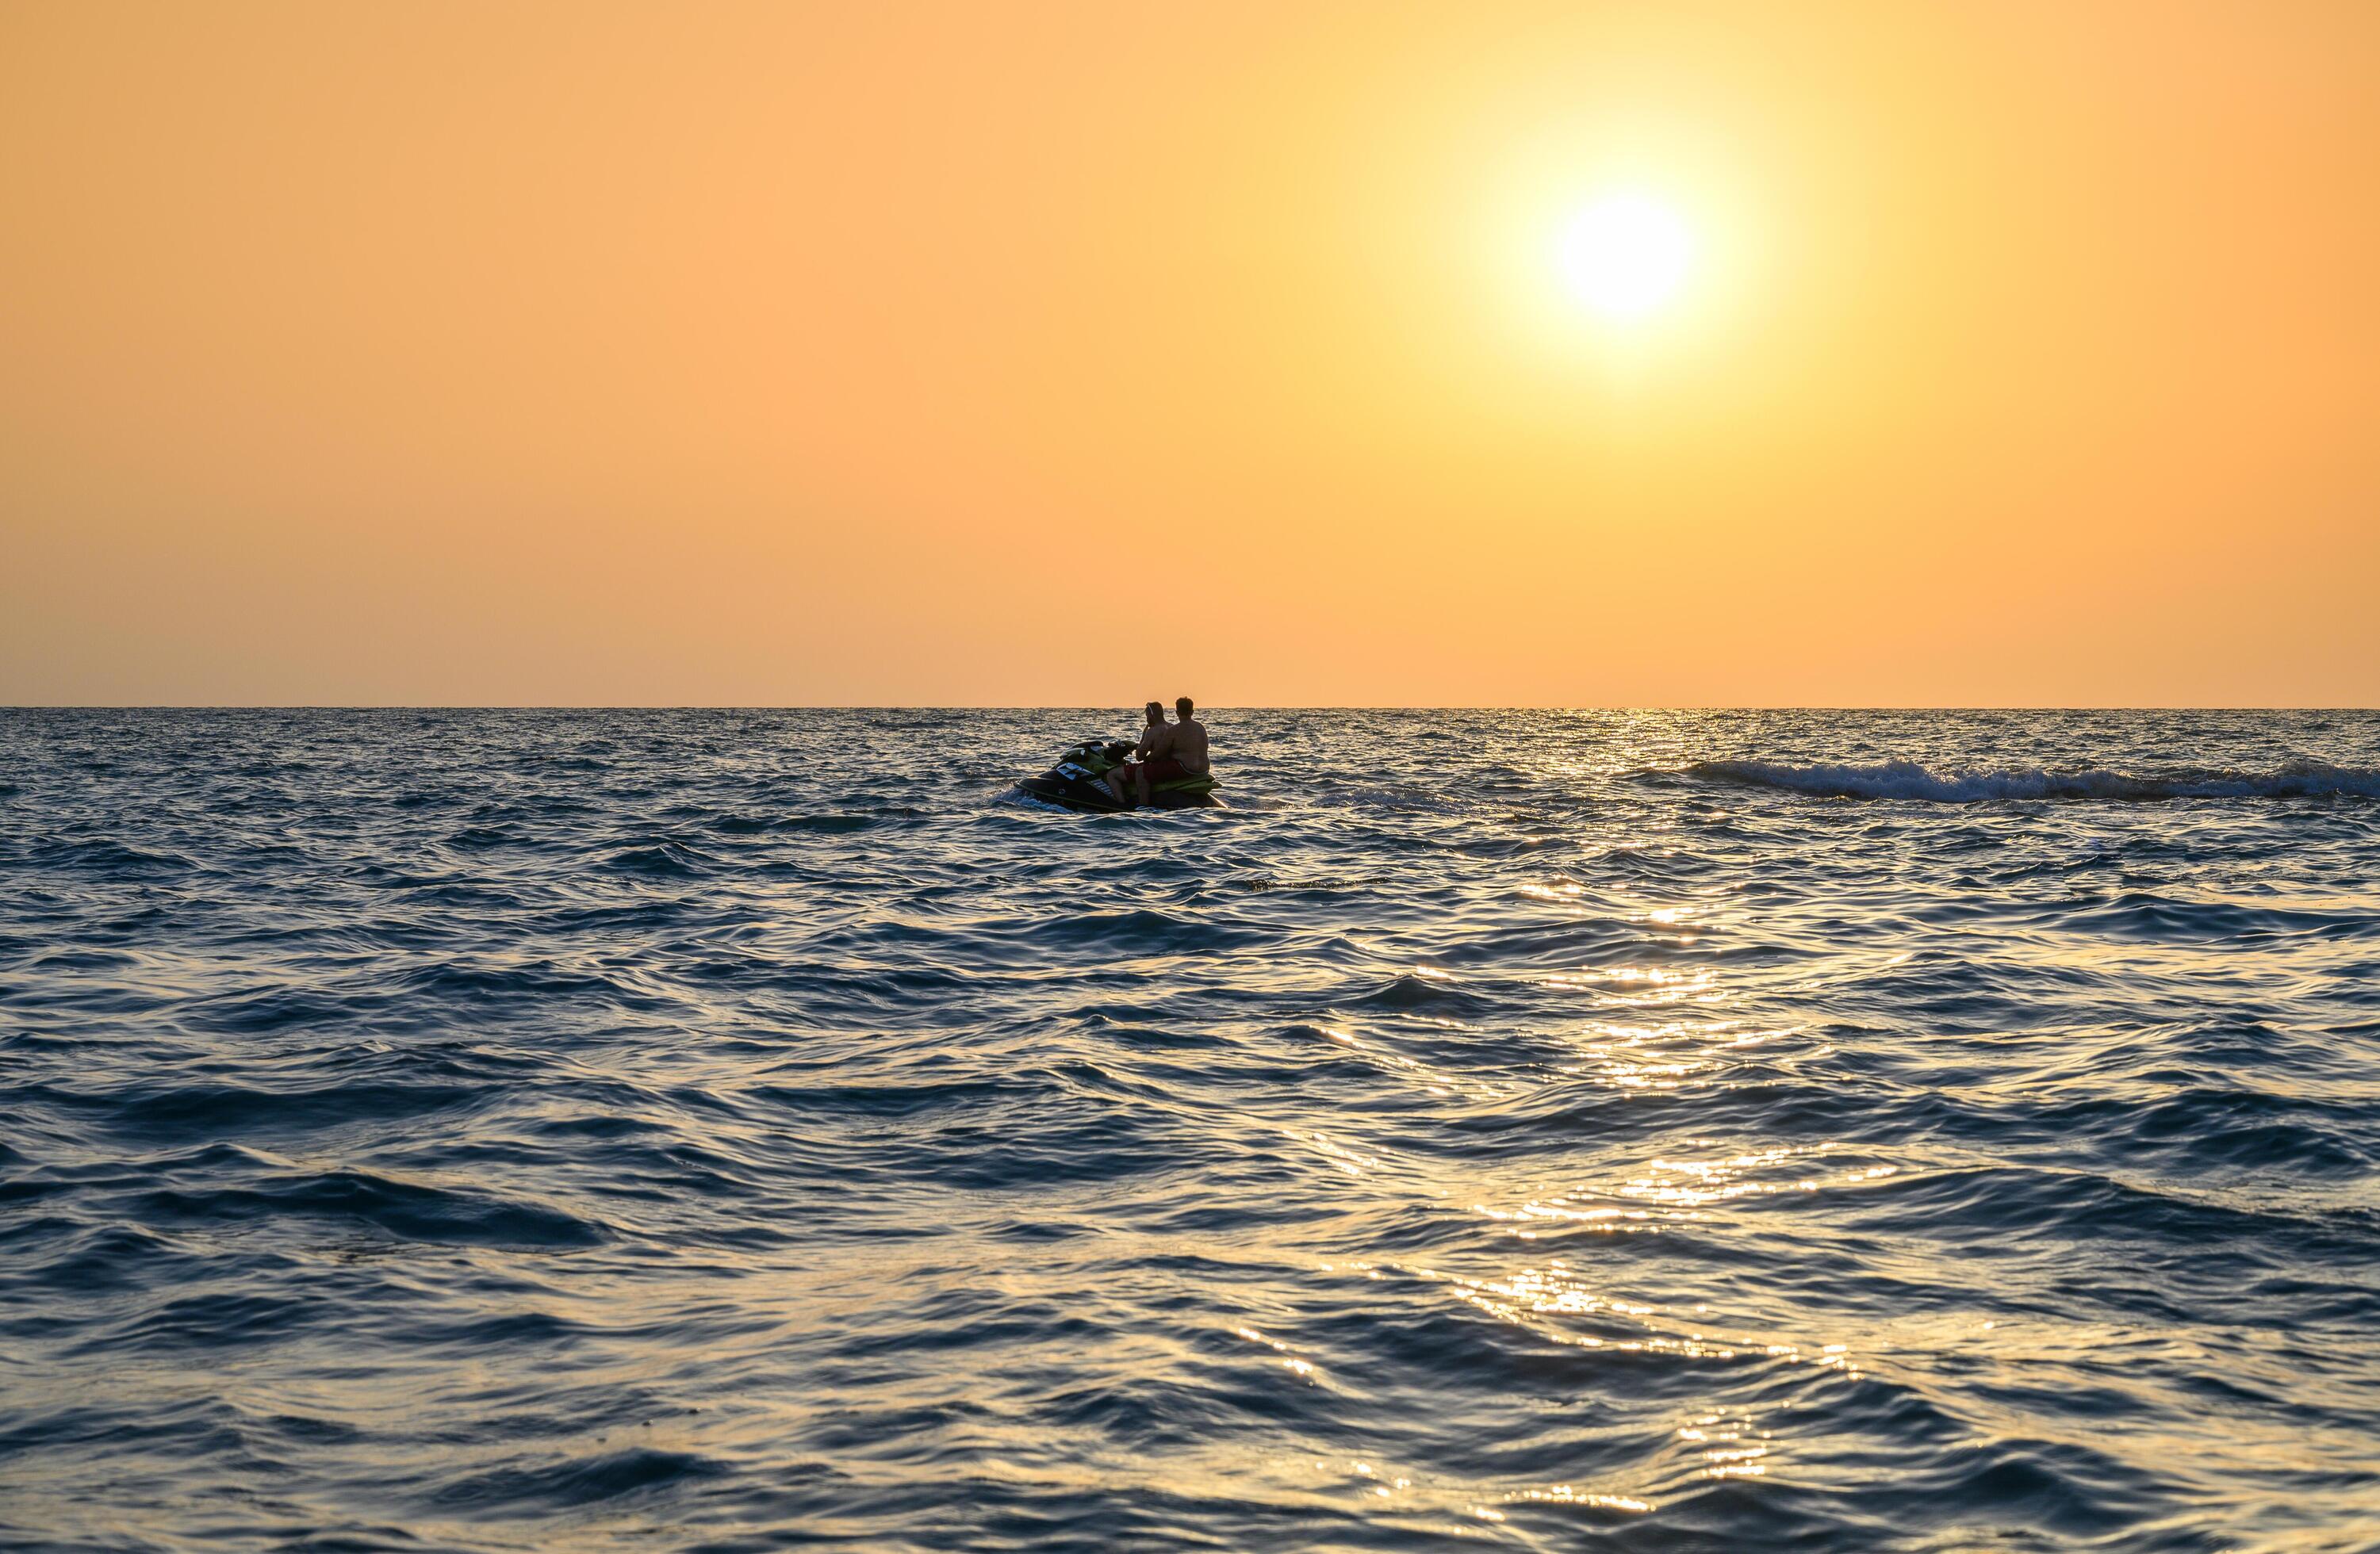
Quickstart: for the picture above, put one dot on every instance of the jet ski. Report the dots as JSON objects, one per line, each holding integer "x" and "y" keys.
{"x": 1077, "y": 782}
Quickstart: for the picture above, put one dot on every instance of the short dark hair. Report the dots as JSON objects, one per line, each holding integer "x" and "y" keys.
{"x": 1181, "y": 705}
{"x": 1156, "y": 707}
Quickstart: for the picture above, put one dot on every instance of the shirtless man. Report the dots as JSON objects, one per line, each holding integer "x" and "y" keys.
{"x": 1166, "y": 750}
{"x": 1153, "y": 739}
{"x": 1189, "y": 746}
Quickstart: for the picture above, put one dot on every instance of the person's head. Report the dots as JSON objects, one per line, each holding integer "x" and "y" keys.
{"x": 1156, "y": 711}
{"x": 1181, "y": 705}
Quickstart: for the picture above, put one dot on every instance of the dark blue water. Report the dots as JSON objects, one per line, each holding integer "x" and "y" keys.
{"x": 735, "y": 1131}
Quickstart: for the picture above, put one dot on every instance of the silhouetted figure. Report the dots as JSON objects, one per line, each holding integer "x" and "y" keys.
{"x": 1153, "y": 739}
{"x": 1186, "y": 750}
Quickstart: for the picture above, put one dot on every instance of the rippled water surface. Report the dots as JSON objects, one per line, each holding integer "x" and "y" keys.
{"x": 1548, "y": 1131}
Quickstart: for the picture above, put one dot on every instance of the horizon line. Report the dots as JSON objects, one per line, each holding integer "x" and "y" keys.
{"x": 1135, "y": 707}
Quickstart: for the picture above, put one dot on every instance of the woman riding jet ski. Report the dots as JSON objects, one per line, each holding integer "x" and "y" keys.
{"x": 1078, "y": 781}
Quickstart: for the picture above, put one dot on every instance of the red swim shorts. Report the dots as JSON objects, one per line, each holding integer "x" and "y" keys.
{"x": 1159, "y": 768}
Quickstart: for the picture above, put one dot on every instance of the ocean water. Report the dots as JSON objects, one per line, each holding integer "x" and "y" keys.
{"x": 735, "y": 1131}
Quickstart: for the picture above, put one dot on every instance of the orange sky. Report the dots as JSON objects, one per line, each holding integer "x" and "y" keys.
{"x": 772, "y": 353}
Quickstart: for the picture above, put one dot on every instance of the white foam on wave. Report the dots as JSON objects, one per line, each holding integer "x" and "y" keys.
{"x": 1907, "y": 780}
{"x": 1018, "y": 797}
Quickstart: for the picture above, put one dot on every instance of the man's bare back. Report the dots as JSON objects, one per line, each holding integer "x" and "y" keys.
{"x": 1188, "y": 744}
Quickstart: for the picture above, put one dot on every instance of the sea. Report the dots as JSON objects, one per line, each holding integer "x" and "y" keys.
{"x": 1544, "y": 1130}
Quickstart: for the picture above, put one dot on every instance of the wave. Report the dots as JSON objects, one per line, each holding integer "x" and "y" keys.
{"x": 1907, "y": 780}
{"x": 581, "y": 1480}
{"x": 408, "y": 1210}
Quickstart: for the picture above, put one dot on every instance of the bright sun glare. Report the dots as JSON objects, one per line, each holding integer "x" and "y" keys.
{"x": 1626, "y": 255}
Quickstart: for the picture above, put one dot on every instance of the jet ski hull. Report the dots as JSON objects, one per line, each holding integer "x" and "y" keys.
{"x": 1092, "y": 797}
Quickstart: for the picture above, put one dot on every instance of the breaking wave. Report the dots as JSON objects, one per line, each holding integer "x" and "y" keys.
{"x": 1908, "y": 779}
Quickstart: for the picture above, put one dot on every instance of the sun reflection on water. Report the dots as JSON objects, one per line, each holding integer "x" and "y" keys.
{"x": 1639, "y": 986}
{"x": 1305, "y": 1369}
{"x": 1699, "y": 1184}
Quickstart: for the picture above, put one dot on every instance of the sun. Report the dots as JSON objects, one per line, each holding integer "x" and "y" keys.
{"x": 1627, "y": 255}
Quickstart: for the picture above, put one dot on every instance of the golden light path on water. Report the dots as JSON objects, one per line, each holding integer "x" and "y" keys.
{"x": 1552, "y": 1298}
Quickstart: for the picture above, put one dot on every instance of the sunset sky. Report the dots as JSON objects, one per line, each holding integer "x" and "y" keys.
{"x": 1998, "y": 353}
